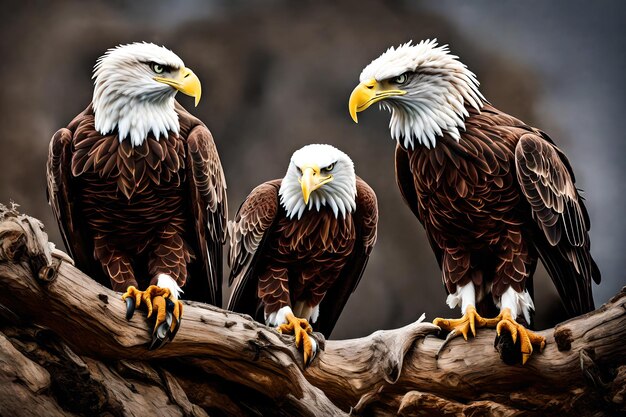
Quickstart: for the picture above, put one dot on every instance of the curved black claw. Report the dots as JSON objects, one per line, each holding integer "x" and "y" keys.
{"x": 163, "y": 332}
{"x": 170, "y": 307}
{"x": 314, "y": 350}
{"x": 130, "y": 307}
{"x": 453, "y": 334}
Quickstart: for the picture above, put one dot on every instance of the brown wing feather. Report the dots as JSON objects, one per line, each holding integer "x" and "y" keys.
{"x": 547, "y": 183}
{"x": 207, "y": 192}
{"x": 365, "y": 221}
{"x": 404, "y": 179}
{"x": 247, "y": 233}
{"x": 61, "y": 199}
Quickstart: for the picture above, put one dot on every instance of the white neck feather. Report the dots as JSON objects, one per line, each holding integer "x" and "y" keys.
{"x": 134, "y": 117}
{"x": 421, "y": 117}
{"x": 337, "y": 195}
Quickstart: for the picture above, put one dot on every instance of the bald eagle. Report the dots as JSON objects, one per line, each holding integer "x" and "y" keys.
{"x": 137, "y": 186}
{"x": 299, "y": 245}
{"x": 493, "y": 193}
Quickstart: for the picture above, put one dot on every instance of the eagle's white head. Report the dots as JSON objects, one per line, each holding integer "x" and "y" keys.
{"x": 424, "y": 87}
{"x": 134, "y": 89}
{"x": 318, "y": 176}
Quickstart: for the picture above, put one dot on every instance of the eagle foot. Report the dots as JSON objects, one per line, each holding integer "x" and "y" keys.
{"x": 159, "y": 301}
{"x": 301, "y": 330}
{"x": 518, "y": 332}
{"x": 470, "y": 321}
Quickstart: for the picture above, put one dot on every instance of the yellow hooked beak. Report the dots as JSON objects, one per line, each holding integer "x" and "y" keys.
{"x": 368, "y": 93}
{"x": 311, "y": 180}
{"x": 186, "y": 82}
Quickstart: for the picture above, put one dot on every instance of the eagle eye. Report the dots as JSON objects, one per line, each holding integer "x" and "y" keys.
{"x": 329, "y": 167}
{"x": 401, "y": 79}
{"x": 157, "y": 68}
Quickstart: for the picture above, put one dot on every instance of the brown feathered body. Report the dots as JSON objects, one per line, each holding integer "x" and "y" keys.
{"x": 312, "y": 251}
{"x": 316, "y": 260}
{"x": 496, "y": 201}
{"x": 140, "y": 211}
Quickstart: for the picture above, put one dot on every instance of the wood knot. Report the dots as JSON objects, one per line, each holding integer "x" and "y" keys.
{"x": 104, "y": 298}
{"x": 563, "y": 338}
{"x": 47, "y": 274}
{"x": 255, "y": 347}
{"x": 229, "y": 324}
{"x": 452, "y": 379}
{"x": 12, "y": 242}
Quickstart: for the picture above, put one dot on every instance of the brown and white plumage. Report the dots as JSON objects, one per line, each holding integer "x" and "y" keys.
{"x": 144, "y": 203}
{"x": 307, "y": 257}
{"x": 493, "y": 193}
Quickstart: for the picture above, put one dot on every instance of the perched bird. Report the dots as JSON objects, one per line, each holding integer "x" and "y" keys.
{"x": 493, "y": 193}
{"x": 137, "y": 186}
{"x": 299, "y": 245}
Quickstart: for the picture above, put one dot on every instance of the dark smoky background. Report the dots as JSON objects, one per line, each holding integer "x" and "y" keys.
{"x": 277, "y": 75}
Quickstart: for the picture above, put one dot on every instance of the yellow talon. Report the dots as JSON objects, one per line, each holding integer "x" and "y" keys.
{"x": 159, "y": 307}
{"x": 301, "y": 330}
{"x": 526, "y": 337}
{"x": 178, "y": 313}
{"x": 470, "y": 321}
{"x": 151, "y": 293}
{"x": 155, "y": 298}
{"x": 131, "y": 291}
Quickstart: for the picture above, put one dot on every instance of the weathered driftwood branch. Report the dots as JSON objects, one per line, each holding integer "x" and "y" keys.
{"x": 224, "y": 362}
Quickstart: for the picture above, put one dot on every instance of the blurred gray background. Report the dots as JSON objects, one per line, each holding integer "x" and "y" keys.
{"x": 277, "y": 75}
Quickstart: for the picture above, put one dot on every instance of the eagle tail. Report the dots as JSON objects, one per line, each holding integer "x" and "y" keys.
{"x": 571, "y": 270}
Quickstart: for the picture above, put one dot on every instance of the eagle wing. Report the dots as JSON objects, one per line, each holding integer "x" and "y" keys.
{"x": 207, "y": 197}
{"x": 62, "y": 200}
{"x": 404, "y": 179}
{"x": 547, "y": 182}
{"x": 365, "y": 220}
{"x": 248, "y": 232}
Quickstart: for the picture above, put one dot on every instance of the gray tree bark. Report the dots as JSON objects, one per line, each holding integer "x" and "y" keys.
{"x": 66, "y": 349}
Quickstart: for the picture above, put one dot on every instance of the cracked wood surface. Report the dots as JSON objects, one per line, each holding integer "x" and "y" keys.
{"x": 224, "y": 363}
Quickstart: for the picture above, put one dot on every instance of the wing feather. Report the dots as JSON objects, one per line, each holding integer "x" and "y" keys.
{"x": 547, "y": 182}
{"x": 207, "y": 192}
{"x": 404, "y": 179}
{"x": 247, "y": 233}
{"x": 62, "y": 201}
